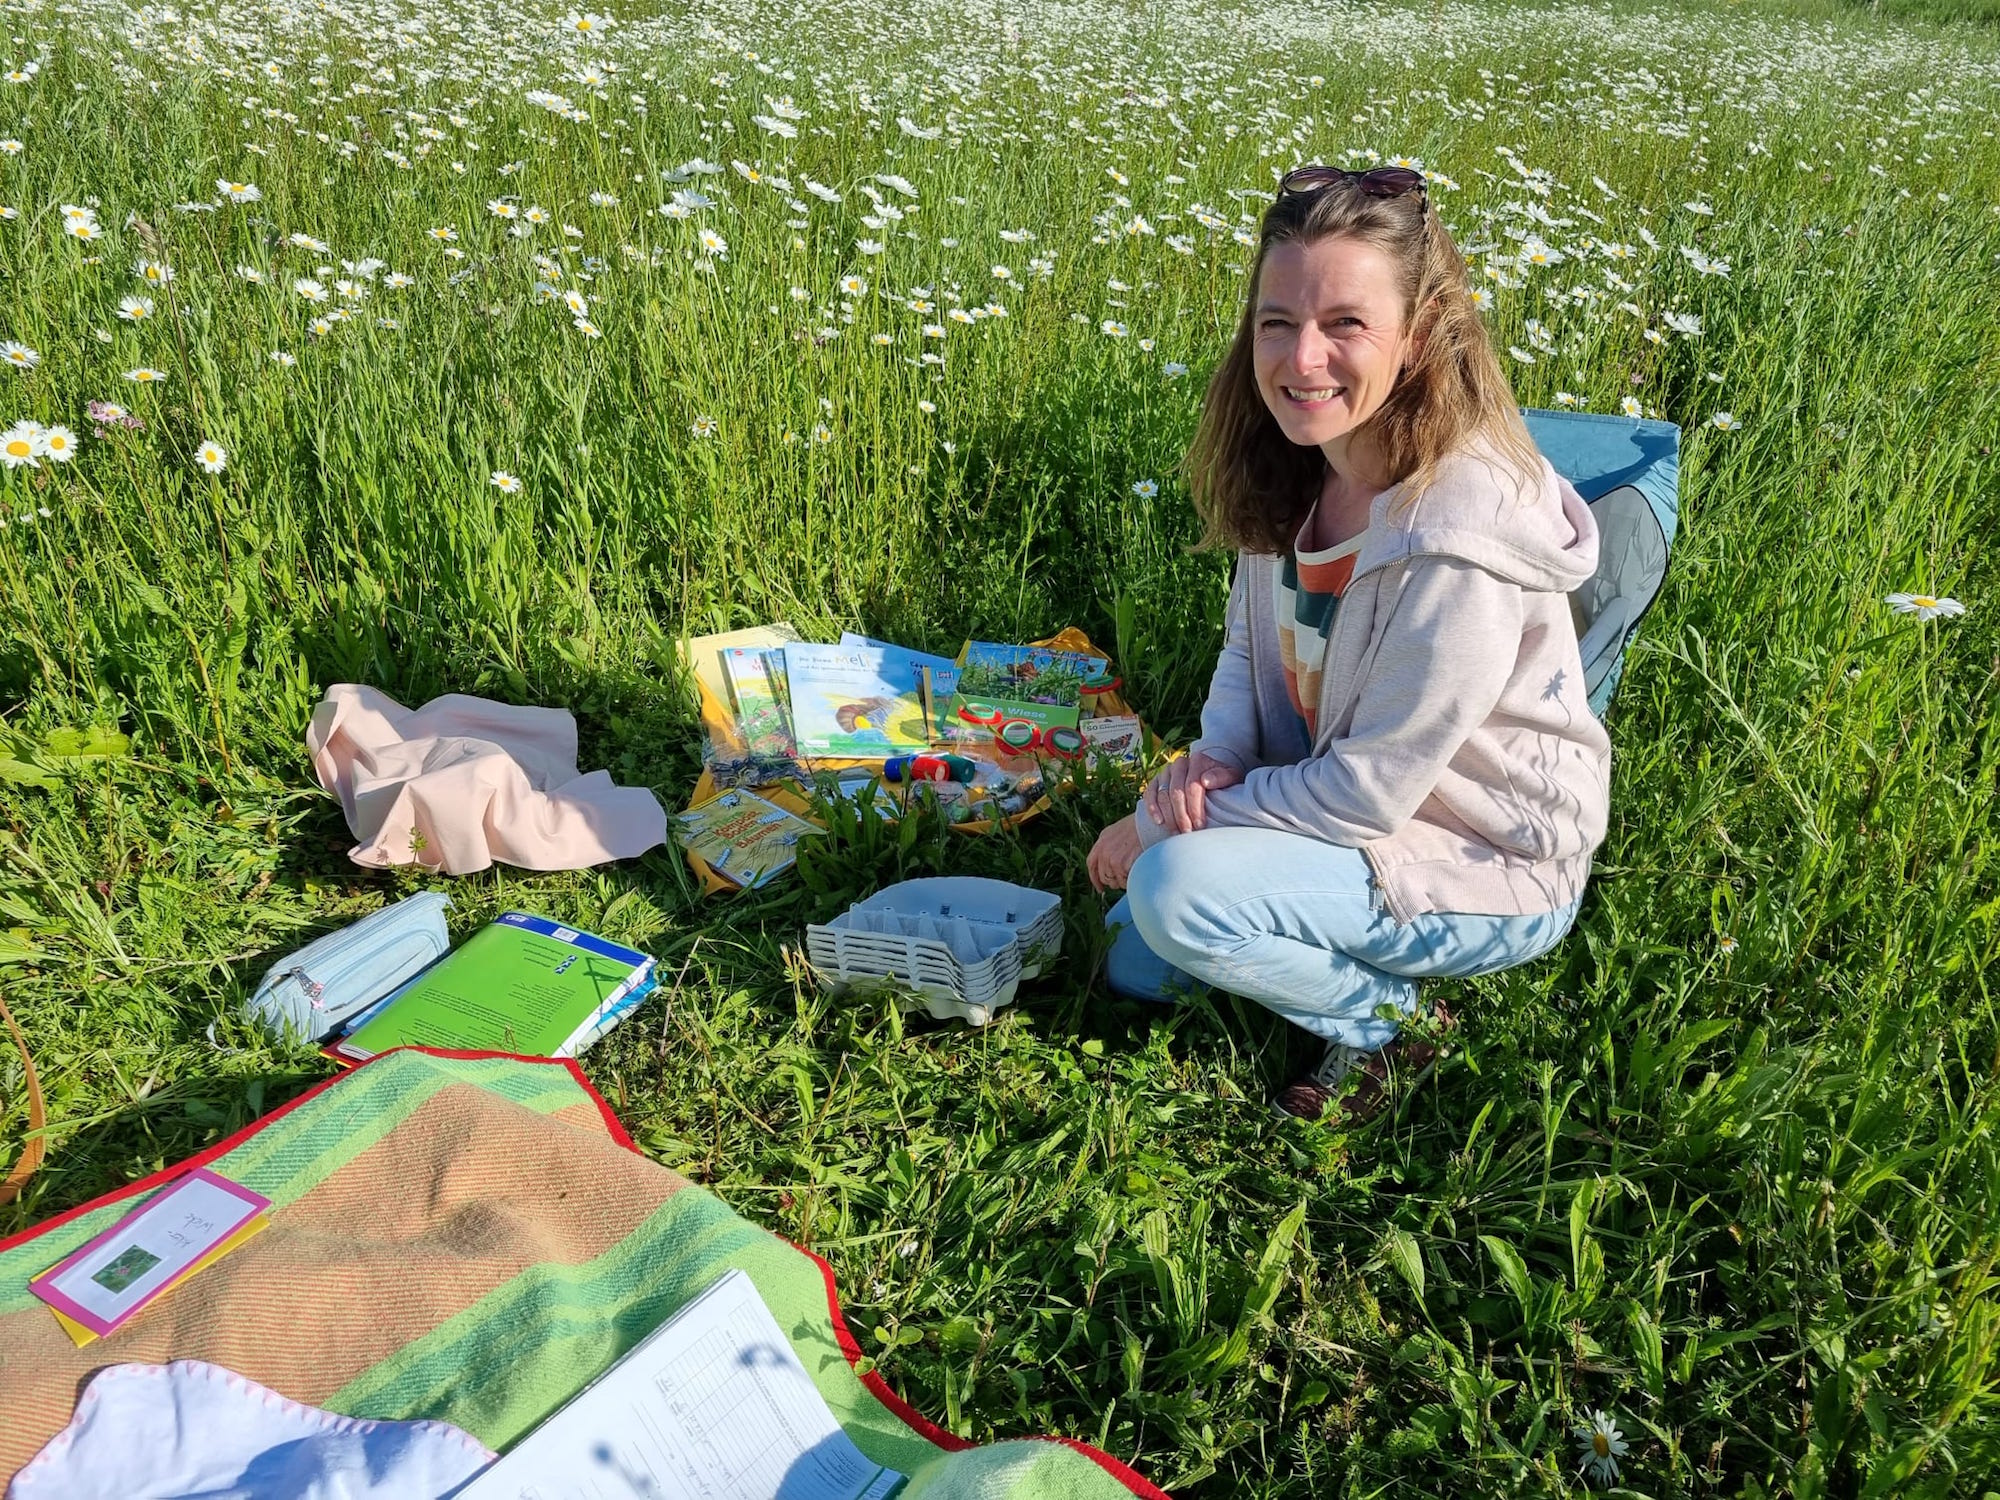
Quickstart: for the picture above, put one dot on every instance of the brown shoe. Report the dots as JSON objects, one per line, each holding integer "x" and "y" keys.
{"x": 1361, "y": 1076}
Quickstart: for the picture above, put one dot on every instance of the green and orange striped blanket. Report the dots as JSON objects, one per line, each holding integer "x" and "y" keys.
{"x": 472, "y": 1239}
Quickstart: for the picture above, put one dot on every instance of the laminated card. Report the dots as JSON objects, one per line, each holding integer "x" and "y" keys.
{"x": 161, "y": 1243}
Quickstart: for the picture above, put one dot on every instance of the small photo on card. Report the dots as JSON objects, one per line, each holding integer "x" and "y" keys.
{"x": 131, "y": 1263}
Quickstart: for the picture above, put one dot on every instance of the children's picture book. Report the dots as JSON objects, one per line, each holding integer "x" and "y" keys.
{"x": 714, "y": 1402}
{"x": 937, "y": 676}
{"x": 175, "y": 1233}
{"x": 762, "y": 700}
{"x": 997, "y": 683}
{"x": 857, "y": 702}
{"x": 745, "y": 839}
{"x": 702, "y": 655}
{"x": 520, "y": 984}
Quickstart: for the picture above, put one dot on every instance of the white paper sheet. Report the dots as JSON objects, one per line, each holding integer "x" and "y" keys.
{"x": 713, "y": 1405}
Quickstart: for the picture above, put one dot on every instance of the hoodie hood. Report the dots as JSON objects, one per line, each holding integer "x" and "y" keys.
{"x": 1532, "y": 530}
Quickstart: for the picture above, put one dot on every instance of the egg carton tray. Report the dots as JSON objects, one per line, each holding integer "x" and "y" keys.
{"x": 961, "y": 943}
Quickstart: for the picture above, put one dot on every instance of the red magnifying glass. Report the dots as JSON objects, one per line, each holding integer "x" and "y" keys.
{"x": 1022, "y": 737}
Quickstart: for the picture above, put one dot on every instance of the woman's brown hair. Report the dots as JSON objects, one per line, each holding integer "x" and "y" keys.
{"x": 1253, "y": 485}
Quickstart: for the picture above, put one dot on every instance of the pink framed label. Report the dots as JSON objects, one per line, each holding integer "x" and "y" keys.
{"x": 120, "y": 1271}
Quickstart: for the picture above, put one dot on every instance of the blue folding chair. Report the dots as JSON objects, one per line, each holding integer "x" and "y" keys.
{"x": 1628, "y": 471}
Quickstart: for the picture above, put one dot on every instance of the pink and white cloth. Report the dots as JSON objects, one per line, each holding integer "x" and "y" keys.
{"x": 462, "y": 782}
{"x": 195, "y": 1431}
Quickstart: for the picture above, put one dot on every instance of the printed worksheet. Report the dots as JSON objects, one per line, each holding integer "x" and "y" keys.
{"x": 713, "y": 1405}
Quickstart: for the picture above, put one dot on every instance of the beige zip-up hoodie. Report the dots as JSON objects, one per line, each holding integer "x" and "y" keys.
{"x": 1456, "y": 748}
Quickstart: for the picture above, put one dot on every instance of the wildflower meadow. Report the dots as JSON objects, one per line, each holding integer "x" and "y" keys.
{"x": 450, "y": 346}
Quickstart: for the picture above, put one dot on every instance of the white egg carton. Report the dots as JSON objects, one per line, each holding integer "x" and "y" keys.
{"x": 962, "y": 943}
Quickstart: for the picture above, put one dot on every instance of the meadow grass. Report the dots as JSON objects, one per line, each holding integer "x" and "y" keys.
{"x": 1723, "y": 1166}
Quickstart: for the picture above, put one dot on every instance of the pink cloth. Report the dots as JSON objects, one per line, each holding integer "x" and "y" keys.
{"x": 464, "y": 781}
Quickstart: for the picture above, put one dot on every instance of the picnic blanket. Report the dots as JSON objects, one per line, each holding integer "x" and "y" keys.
{"x": 472, "y": 1238}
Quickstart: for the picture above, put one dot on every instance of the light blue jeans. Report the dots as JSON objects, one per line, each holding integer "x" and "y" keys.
{"x": 1298, "y": 926}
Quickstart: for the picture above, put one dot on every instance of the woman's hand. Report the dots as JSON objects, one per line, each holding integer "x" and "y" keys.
{"x": 1177, "y": 797}
{"x": 1111, "y": 856}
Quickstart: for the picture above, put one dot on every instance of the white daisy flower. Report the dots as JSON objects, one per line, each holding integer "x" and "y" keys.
{"x": 1925, "y": 606}
{"x": 1600, "y": 1445}
{"x": 21, "y": 446}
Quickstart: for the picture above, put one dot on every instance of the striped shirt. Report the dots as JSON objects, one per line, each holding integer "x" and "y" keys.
{"x": 1309, "y": 588}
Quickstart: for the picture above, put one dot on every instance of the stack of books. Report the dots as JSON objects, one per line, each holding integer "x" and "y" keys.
{"x": 780, "y": 710}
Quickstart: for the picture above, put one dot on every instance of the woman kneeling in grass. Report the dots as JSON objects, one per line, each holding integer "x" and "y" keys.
{"x": 1398, "y": 775}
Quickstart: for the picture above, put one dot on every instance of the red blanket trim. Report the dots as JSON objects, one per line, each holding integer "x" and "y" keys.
{"x": 1125, "y": 1474}
{"x": 915, "y": 1420}
{"x": 925, "y": 1428}
{"x": 922, "y": 1425}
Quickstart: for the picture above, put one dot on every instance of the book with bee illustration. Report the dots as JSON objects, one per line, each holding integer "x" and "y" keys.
{"x": 855, "y": 702}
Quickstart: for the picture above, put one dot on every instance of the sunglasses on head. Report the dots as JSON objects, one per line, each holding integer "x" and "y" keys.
{"x": 1376, "y": 182}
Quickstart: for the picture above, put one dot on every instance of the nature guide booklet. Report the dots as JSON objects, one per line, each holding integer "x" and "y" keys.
{"x": 855, "y": 702}
{"x": 521, "y": 984}
{"x": 997, "y": 683}
{"x": 1114, "y": 737}
{"x": 745, "y": 839}
{"x": 763, "y": 700}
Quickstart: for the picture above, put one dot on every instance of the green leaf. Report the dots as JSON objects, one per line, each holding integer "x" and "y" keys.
{"x": 1888, "y": 1476}
{"x": 959, "y": 1334}
{"x": 1132, "y": 1362}
{"x": 1579, "y": 1226}
{"x": 1513, "y": 1270}
{"x": 152, "y": 598}
{"x": 1648, "y": 1351}
{"x": 97, "y": 742}
{"x": 21, "y": 773}
{"x": 1400, "y": 1251}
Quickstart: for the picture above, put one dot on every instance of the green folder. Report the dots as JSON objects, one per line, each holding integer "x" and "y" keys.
{"x": 522, "y": 984}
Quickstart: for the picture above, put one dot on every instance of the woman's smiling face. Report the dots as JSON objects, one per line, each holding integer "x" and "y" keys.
{"x": 1330, "y": 338}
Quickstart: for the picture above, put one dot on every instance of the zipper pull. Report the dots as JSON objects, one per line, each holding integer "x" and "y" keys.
{"x": 313, "y": 988}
